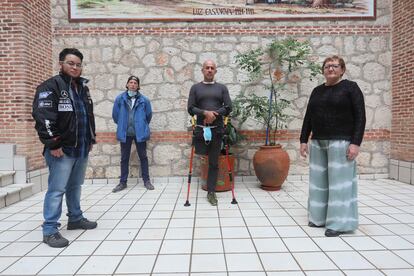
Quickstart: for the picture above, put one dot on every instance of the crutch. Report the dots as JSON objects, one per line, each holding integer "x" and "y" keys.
{"x": 190, "y": 171}
{"x": 226, "y": 144}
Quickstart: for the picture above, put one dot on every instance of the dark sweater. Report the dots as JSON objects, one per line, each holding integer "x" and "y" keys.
{"x": 335, "y": 113}
{"x": 210, "y": 97}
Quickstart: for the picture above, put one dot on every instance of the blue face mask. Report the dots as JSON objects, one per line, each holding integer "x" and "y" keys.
{"x": 132, "y": 93}
{"x": 207, "y": 134}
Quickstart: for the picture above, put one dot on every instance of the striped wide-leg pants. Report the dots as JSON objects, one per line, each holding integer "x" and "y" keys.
{"x": 332, "y": 186}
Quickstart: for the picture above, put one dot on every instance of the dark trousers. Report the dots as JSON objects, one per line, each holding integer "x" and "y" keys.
{"x": 211, "y": 149}
{"x": 125, "y": 154}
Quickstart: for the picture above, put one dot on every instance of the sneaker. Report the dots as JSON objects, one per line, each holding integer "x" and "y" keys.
{"x": 333, "y": 233}
{"x": 55, "y": 240}
{"x": 82, "y": 224}
{"x": 119, "y": 187}
{"x": 148, "y": 185}
{"x": 211, "y": 198}
{"x": 311, "y": 224}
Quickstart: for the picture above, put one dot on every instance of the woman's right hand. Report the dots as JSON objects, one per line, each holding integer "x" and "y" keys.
{"x": 304, "y": 150}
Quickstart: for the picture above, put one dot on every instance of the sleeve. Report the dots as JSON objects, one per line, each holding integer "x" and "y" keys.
{"x": 307, "y": 124}
{"x": 115, "y": 110}
{"x": 227, "y": 105}
{"x": 45, "y": 114}
{"x": 192, "y": 105}
{"x": 358, "y": 110}
{"x": 148, "y": 110}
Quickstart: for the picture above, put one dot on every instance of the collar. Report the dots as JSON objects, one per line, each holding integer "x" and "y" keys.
{"x": 208, "y": 82}
{"x": 68, "y": 79}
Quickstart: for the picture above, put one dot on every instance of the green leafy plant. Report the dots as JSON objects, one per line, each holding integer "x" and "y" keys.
{"x": 273, "y": 65}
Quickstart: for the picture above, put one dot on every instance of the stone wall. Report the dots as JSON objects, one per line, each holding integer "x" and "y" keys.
{"x": 167, "y": 57}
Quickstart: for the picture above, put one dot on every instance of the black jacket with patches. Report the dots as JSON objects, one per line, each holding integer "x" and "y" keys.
{"x": 54, "y": 112}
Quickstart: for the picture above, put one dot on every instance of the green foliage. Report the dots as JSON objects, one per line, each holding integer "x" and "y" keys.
{"x": 274, "y": 64}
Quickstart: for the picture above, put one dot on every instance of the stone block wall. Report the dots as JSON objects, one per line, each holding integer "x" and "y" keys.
{"x": 168, "y": 56}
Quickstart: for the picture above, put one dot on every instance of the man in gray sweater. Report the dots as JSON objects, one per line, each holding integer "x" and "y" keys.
{"x": 210, "y": 101}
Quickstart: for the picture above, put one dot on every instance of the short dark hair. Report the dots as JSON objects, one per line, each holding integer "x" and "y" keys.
{"x": 70, "y": 51}
{"x": 332, "y": 58}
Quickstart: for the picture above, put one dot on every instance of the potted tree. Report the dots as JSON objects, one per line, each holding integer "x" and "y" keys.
{"x": 274, "y": 65}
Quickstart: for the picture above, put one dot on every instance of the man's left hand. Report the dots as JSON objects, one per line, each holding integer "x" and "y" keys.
{"x": 352, "y": 152}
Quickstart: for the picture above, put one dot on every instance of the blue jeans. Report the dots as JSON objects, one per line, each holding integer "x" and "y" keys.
{"x": 125, "y": 154}
{"x": 66, "y": 175}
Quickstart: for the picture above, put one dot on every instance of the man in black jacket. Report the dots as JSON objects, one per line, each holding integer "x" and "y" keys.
{"x": 63, "y": 111}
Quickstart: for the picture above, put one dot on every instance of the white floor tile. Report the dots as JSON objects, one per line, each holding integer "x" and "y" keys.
{"x": 91, "y": 235}
{"x": 140, "y": 247}
{"x": 363, "y": 273}
{"x": 270, "y": 245}
{"x": 208, "y": 246}
{"x": 129, "y": 224}
{"x": 156, "y": 223}
{"x": 176, "y": 247}
{"x": 231, "y": 222}
{"x": 122, "y": 234}
{"x": 181, "y": 223}
{"x": 278, "y": 261}
{"x": 363, "y": 243}
{"x": 113, "y": 248}
{"x": 394, "y": 242}
{"x": 172, "y": 263}
{"x": 385, "y": 259}
{"x": 18, "y": 249}
{"x": 262, "y": 232}
{"x": 399, "y": 272}
{"x": 300, "y": 244}
{"x": 330, "y": 244}
{"x": 243, "y": 262}
{"x": 78, "y": 248}
{"x": 324, "y": 273}
{"x": 407, "y": 255}
{"x": 27, "y": 266}
{"x": 179, "y": 233}
{"x": 151, "y": 234}
{"x": 290, "y": 231}
{"x": 6, "y": 262}
{"x": 207, "y": 233}
{"x": 314, "y": 261}
{"x": 208, "y": 263}
{"x": 349, "y": 260}
{"x": 63, "y": 265}
{"x": 235, "y": 232}
{"x": 136, "y": 264}
{"x": 100, "y": 265}
{"x": 238, "y": 246}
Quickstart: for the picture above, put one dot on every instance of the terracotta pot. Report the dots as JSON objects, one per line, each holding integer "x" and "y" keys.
{"x": 223, "y": 181}
{"x": 271, "y": 165}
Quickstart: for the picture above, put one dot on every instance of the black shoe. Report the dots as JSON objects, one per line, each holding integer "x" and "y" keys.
{"x": 333, "y": 233}
{"x": 82, "y": 224}
{"x": 119, "y": 187}
{"x": 311, "y": 224}
{"x": 148, "y": 185}
{"x": 55, "y": 240}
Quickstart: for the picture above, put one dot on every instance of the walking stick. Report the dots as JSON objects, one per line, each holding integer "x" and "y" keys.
{"x": 226, "y": 142}
{"x": 190, "y": 172}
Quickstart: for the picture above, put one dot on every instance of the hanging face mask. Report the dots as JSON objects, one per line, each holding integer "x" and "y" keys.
{"x": 207, "y": 134}
{"x": 132, "y": 93}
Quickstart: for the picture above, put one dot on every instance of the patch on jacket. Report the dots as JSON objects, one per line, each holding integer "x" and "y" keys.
{"x": 44, "y": 95}
{"x": 65, "y": 107}
{"x": 64, "y": 94}
{"x": 45, "y": 104}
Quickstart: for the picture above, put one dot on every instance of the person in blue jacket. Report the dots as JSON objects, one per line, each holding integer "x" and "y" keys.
{"x": 132, "y": 113}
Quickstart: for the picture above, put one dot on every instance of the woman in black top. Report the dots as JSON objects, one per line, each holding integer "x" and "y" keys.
{"x": 335, "y": 116}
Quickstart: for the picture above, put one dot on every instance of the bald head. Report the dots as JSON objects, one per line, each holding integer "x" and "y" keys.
{"x": 209, "y": 70}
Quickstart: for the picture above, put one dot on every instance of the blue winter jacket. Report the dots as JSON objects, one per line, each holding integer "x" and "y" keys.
{"x": 142, "y": 117}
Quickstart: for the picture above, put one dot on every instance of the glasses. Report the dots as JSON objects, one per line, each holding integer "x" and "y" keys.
{"x": 333, "y": 66}
{"x": 72, "y": 64}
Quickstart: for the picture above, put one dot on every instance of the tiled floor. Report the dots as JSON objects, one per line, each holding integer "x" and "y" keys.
{"x": 144, "y": 232}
